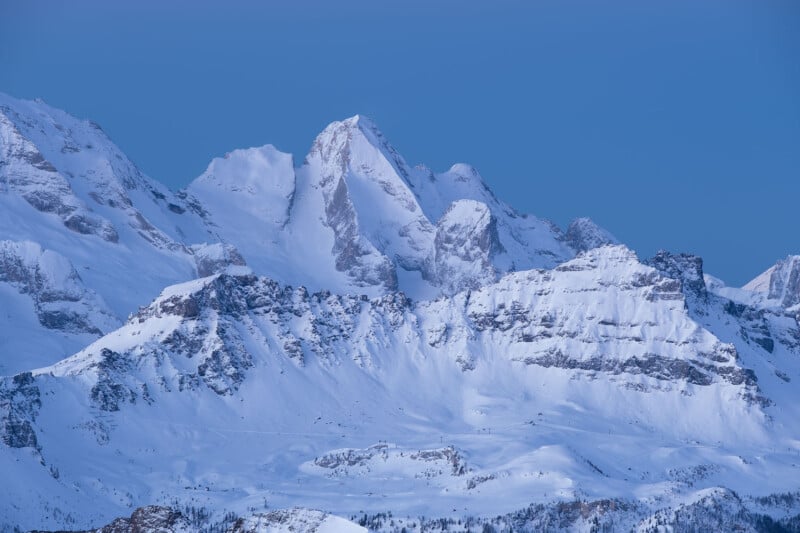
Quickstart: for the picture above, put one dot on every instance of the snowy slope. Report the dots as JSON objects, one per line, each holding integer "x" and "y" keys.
{"x": 371, "y": 339}
{"x": 356, "y": 217}
{"x": 67, "y": 188}
{"x": 780, "y": 284}
{"x": 591, "y": 380}
{"x": 65, "y": 185}
{"x": 341, "y": 221}
{"x": 48, "y": 311}
{"x": 529, "y": 242}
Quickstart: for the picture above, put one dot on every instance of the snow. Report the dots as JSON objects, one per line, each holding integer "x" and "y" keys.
{"x": 525, "y": 432}
{"x": 761, "y": 282}
{"x": 91, "y": 178}
{"x": 256, "y": 353}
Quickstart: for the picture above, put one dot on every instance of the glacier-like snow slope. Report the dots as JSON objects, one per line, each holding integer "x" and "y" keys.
{"x": 65, "y": 186}
{"x": 47, "y": 312}
{"x": 288, "y": 367}
{"x": 355, "y": 217}
{"x": 591, "y": 380}
{"x": 779, "y": 284}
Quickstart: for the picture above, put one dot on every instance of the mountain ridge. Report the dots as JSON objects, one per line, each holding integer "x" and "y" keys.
{"x": 361, "y": 336}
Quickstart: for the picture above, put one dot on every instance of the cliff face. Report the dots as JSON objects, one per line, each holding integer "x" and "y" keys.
{"x": 373, "y": 339}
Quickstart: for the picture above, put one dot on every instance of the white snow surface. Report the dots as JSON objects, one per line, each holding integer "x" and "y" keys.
{"x": 66, "y": 186}
{"x": 532, "y": 389}
{"x": 355, "y": 217}
{"x": 780, "y": 283}
{"x": 249, "y": 345}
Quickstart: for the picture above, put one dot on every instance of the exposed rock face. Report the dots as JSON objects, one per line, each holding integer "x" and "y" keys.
{"x": 583, "y": 234}
{"x": 20, "y": 401}
{"x": 523, "y": 362}
{"x": 26, "y": 172}
{"x": 686, "y": 268}
{"x": 754, "y": 324}
{"x": 429, "y": 463}
{"x": 536, "y": 318}
{"x": 373, "y": 213}
{"x": 216, "y": 258}
{"x": 60, "y": 299}
{"x": 553, "y": 335}
{"x": 466, "y": 242}
{"x": 207, "y": 346}
{"x": 70, "y": 169}
{"x": 780, "y": 284}
{"x": 784, "y": 283}
{"x": 150, "y": 518}
{"x": 354, "y": 255}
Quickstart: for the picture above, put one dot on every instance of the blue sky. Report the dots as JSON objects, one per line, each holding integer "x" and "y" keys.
{"x": 674, "y": 124}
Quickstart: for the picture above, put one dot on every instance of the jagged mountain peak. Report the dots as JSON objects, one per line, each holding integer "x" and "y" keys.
{"x": 66, "y": 185}
{"x": 365, "y": 126}
{"x": 68, "y": 143}
{"x": 360, "y": 121}
{"x": 780, "y": 283}
{"x": 534, "y": 369}
{"x": 687, "y": 268}
{"x": 465, "y": 244}
{"x": 373, "y": 217}
{"x": 68, "y": 167}
{"x": 361, "y": 184}
{"x": 583, "y": 234}
{"x": 464, "y": 175}
{"x": 357, "y": 144}
{"x": 437, "y": 191}
{"x": 259, "y": 181}
{"x": 465, "y": 171}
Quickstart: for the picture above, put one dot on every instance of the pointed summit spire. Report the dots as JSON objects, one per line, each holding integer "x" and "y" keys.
{"x": 357, "y": 143}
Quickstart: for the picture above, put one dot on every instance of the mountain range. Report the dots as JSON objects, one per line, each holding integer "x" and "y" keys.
{"x": 349, "y": 341}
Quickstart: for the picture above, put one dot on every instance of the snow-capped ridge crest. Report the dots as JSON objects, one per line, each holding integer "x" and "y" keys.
{"x": 465, "y": 244}
{"x": 259, "y": 181}
{"x": 583, "y": 234}
{"x": 601, "y": 256}
{"x": 608, "y": 349}
{"x": 356, "y": 143}
{"x": 687, "y": 268}
{"x": 380, "y": 216}
{"x": 68, "y": 168}
{"x": 780, "y": 283}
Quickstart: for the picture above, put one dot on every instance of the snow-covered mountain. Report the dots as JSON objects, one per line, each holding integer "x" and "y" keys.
{"x": 71, "y": 198}
{"x": 376, "y": 341}
{"x": 48, "y": 311}
{"x": 355, "y": 217}
{"x": 779, "y": 284}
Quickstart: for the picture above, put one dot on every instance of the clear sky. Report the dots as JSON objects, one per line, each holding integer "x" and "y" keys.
{"x": 674, "y": 124}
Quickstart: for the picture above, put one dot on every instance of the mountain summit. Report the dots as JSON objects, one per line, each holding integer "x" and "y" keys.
{"x": 354, "y": 216}
{"x": 347, "y": 333}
